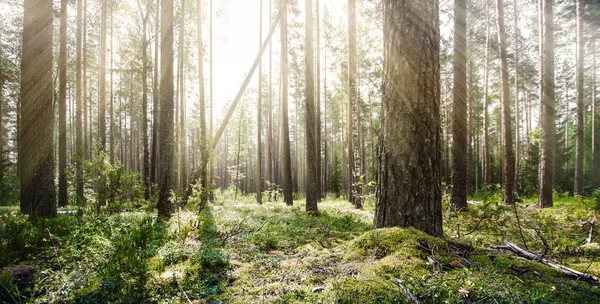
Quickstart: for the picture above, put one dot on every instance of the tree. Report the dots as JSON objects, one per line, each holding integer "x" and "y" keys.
{"x": 580, "y": 101}
{"x": 517, "y": 108}
{"x": 36, "y": 144}
{"x": 102, "y": 76}
{"x": 182, "y": 108}
{"x": 408, "y": 175}
{"x": 486, "y": 164}
{"x": 144, "y": 45}
{"x": 548, "y": 134}
{"x": 353, "y": 140}
{"x": 166, "y": 145}
{"x": 203, "y": 138}
{"x": 286, "y": 157}
{"x": 508, "y": 157}
{"x": 156, "y": 100}
{"x": 318, "y": 107}
{"x": 459, "y": 108}
{"x": 311, "y": 150}
{"x": 259, "y": 173}
{"x": 78, "y": 114}
{"x": 63, "y": 198}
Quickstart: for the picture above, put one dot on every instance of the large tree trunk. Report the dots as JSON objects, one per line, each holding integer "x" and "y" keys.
{"x": 408, "y": 176}
{"x": 36, "y": 144}
{"x": 517, "y": 109}
{"x": 269, "y": 155}
{"x": 102, "y": 77}
{"x": 286, "y": 158}
{"x": 311, "y": 145}
{"x": 318, "y": 107}
{"x": 78, "y": 121}
{"x": 353, "y": 140}
{"x": 166, "y": 145}
{"x": 458, "y": 200}
{"x": 183, "y": 178}
{"x": 548, "y": 141}
{"x": 156, "y": 100}
{"x": 508, "y": 157}
{"x": 259, "y": 173}
{"x": 579, "y": 150}
{"x": 63, "y": 198}
{"x": 487, "y": 170}
{"x": 146, "y": 156}
{"x": 112, "y": 93}
{"x": 203, "y": 139}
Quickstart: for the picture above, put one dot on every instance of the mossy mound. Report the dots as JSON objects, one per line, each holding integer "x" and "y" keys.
{"x": 389, "y": 261}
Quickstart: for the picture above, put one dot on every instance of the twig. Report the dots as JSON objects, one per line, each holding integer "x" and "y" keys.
{"x": 409, "y": 295}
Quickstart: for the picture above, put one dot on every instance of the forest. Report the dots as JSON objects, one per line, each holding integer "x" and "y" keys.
{"x": 299, "y": 151}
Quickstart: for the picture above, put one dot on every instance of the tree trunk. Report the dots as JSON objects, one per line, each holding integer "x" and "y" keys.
{"x": 112, "y": 93}
{"x": 269, "y": 155}
{"x": 458, "y": 200}
{"x": 580, "y": 102}
{"x": 517, "y": 109}
{"x": 203, "y": 139}
{"x": 487, "y": 170}
{"x": 354, "y": 177}
{"x": 102, "y": 77}
{"x": 183, "y": 178}
{"x": 86, "y": 138}
{"x": 259, "y": 173}
{"x": 310, "y": 119}
{"x": 508, "y": 160}
{"x": 36, "y": 146}
{"x": 286, "y": 158}
{"x": 156, "y": 100}
{"x": 595, "y": 143}
{"x": 548, "y": 141}
{"x": 318, "y": 107}
{"x": 63, "y": 198}
{"x": 408, "y": 177}
{"x": 166, "y": 145}
{"x": 146, "y": 156}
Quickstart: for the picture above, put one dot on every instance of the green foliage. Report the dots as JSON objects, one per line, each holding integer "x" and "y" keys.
{"x": 9, "y": 183}
{"x": 335, "y": 178}
{"x": 107, "y": 183}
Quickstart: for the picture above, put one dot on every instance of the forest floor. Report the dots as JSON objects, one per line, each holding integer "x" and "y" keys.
{"x": 237, "y": 251}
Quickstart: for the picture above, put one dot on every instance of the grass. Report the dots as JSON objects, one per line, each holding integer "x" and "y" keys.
{"x": 237, "y": 251}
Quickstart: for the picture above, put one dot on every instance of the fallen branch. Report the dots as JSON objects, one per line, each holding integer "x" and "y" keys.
{"x": 409, "y": 295}
{"x": 578, "y": 275}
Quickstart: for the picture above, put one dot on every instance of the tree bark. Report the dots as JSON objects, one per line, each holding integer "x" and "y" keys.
{"x": 166, "y": 145}
{"x": 102, "y": 77}
{"x": 259, "y": 173}
{"x": 319, "y": 189}
{"x": 146, "y": 156}
{"x": 517, "y": 107}
{"x": 354, "y": 177}
{"x": 310, "y": 119}
{"x": 458, "y": 200}
{"x": 63, "y": 198}
{"x": 183, "y": 177}
{"x": 579, "y": 150}
{"x": 487, "y": 170}
{"x": 548, "y": 140}
{"x": 203, "y": 138}
{"x": 36, "y": 143}
{"x": 286, "y": 158}
{"x": 508, "y": 157}
{"x": 408, "y": 177}
{"x": 156, "y": 100}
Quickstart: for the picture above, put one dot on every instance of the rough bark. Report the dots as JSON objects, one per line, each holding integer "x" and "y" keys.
{"x": 310, "y": 119}
{"x": 63, "y": 198}
{"x": 354, "y": 176}
{"x": 286, "y": 158}
{"x": 156, "y": 100}
{"x": 408, "y": 177}
{"x": 102, "y": 77}
{"x": 259, "y": 171}
{"x": 458, "y": 200}
{"x": 36, "y": 140}
{"x": 548, "y": 140}
{"x": 166, "y": 145}
{"x": 579, "y": 150}
{"x": 508, "y": 157}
